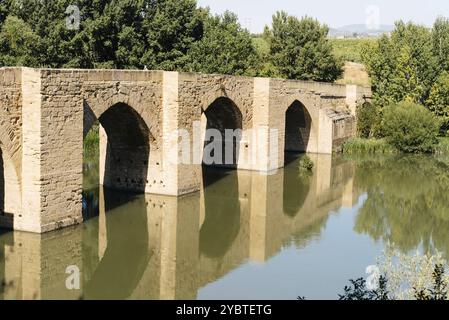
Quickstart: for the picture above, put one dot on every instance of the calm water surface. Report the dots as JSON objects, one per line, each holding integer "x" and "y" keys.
{"x": 244, "y": 236}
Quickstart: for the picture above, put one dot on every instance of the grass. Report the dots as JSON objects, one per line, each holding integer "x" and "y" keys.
{"x": 380, "y": 146}
{"x": 367, "y": 146}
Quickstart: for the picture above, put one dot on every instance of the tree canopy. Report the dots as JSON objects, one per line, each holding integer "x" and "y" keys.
{"x": 172, "y": 35}
{"x": 300, "y": 49}
{"x": 406, "y": 64}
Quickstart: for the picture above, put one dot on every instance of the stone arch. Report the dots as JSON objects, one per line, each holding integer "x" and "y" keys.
{"x": 298, "y": 127}
{"x": 212, "y": 96}
{"x": 10, "y": 189}
{"x": 222, "y": 115}
{"x": 125, "y": 143}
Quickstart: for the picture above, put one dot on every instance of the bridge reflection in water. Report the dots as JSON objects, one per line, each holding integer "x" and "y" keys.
{"x": 156, "y": 247}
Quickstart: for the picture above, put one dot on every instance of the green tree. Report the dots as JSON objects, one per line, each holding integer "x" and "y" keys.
{"x": 300, "y": 49}
{"x": 402, "y": 66}
{"x": 226, "y": 48}
{"x": 410, "y": 127}
{"x": 368, "y": 120}
{"x": 172, "y": 27}
{"x": 440, "y": 43}
{"x": 113, "y": 33}
{"x": 438, "y": 101}
{"x": 19, "y": 45}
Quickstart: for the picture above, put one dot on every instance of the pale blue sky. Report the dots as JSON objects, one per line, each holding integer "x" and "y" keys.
{"x": 254, "y": 14}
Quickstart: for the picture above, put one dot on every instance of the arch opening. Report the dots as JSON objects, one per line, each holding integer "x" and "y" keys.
{"x": 298, "y": 124}
{"x": 10, "y": 191}
{"x": 127, "y": 148}
{"x": 222, "y": 125}
{"x": 120, "y": 152}
{"x": 223, "y": 134}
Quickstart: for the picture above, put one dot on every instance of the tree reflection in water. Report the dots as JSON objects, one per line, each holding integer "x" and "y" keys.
{"x": 407, "y": 201}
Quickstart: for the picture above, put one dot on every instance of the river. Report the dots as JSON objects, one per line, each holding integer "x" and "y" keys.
{"x": 243, "y": 236}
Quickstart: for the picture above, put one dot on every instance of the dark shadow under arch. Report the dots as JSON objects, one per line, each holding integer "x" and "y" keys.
{"x": 223, "y": 114}
{"x": 297, "y": 129}
{"x": 128, "y": 147}
{"x": 10, "y": 191}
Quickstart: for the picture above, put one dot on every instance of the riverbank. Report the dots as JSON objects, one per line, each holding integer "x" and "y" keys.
{"x": 381, "y": 146}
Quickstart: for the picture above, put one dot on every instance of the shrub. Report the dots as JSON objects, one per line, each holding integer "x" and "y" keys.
{"x": 410, "y": 127}
{"x": 368, "y": 120}
{"x": 306, "y": 164}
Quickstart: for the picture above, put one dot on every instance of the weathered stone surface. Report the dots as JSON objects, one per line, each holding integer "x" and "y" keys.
{"x": 45, "y": 115}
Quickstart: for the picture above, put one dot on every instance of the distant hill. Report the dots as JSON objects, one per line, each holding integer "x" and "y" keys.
{"x": 359, "y": 30}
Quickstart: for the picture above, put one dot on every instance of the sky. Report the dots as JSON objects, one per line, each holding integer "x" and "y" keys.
{"x": 255, "y": 14}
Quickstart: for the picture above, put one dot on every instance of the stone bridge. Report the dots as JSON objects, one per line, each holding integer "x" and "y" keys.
{"x": 47, "y": 113}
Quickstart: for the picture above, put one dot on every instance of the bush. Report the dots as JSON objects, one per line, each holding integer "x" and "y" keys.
{"x": 368, "y": 120}
{"x": 306, "y": 164}
{"x": 410, "y": 127}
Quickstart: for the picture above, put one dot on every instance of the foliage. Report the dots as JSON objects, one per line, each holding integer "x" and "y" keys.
{"x": 411, "y": 65}
{"x": 368, "y": 120}
{"x": 442, "y": 148}
{"x": 402, "y": 277}
{"x": 367, "y": 146}
{"x": 306, "y": 164}
{"x": 129, "y": 34}
{"x": 266, "y": 67}
{"x": 410, "y": 127}
{"x": 92, "y": 140}
{"x": 439, "y": 290}
{"x": 358, "y": 290}
{"x": 402, "y": 66}
{"x": 349, "y": 49}
{"x": 226, "y": 48}
{"x": 440, "y": 43}
{"x": 172, "y": 27}
{"x": 419, "y": 276}
{"x": 300, "y": 49}
{"x": 438, "y": 101}
{"x": 19, "y": 45}
{"x": 407, "y": 203}
{"x": 173, "y": 35}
